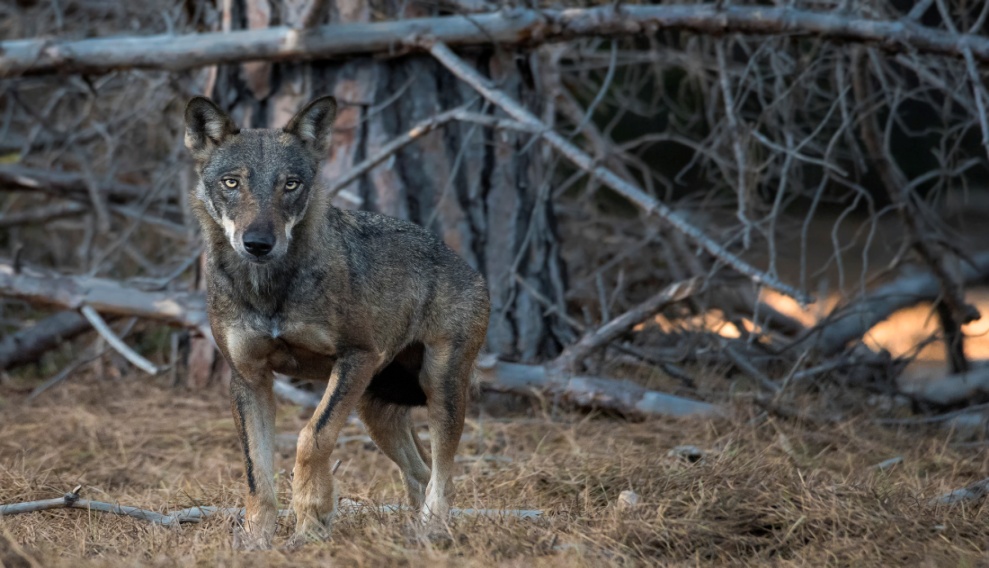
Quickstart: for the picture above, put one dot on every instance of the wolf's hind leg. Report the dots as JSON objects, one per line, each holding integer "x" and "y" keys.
{"x": 390, "y": 426}
{"x": 447, "y": 373}
{"x": 313, "y": 496}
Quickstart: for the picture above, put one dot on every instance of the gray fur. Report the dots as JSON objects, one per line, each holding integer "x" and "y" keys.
{"x": 379, "y": 307}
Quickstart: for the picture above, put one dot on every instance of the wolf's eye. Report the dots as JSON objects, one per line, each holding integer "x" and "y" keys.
{"x": 291, "y": 185}
{"x": 230, "y": 183}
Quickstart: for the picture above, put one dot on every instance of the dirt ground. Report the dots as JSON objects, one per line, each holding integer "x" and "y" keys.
{"x": 766, "y": 491}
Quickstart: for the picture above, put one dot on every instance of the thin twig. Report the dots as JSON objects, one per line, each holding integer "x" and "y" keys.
{"x": 416, "y": 132}
{"x": 502, "y": 27}
{"x": 572, "y": 356}
{"x": 71, "y": 500}
{"x": 118, "y": 344}
{"x": 648, "y": 204}
{"x": 735, "y": 134}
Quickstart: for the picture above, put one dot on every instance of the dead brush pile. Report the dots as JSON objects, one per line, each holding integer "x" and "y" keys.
{"x": 752, "y": 490}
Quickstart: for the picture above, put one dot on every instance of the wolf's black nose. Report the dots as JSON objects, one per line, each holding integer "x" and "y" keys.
{"x": 258, "y": 243}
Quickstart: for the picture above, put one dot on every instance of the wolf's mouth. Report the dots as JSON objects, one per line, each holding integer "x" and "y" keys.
{"x": 256, "y": 259}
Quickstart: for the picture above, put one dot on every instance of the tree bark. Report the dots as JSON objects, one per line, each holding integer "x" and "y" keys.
{"x": 186, "y": 309}
{"x": 619, "y": 396}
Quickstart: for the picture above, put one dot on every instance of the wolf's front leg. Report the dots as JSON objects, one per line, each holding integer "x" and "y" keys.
{"x": 313, "y": 497}
{"x": 253, "y": 403}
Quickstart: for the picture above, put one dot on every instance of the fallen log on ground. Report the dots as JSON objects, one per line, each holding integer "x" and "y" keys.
{"x": 951, "y": 390}
{"x": 188, "y": 309}
{"x": 849, "y": 323}
{"x": 27, "y": 345}
{"x": 503, "y": 27}
{"x": 620, "y": 396}
{"x": 106, "y": 296}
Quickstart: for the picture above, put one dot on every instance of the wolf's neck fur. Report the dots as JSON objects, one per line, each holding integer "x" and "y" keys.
{"x": 262, "y": 286}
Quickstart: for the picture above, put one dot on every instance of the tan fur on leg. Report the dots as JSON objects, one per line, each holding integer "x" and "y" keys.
{"x": 253, "y": 406}
{"x": 313, "y": 494}
{"x": 447, "y": 369}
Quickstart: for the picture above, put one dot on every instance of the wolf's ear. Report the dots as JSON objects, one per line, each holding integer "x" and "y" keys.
{"x": 206, "y": 127}
{"x": 313, "y": 123}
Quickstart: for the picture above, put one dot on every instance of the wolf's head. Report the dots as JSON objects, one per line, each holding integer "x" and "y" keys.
{"x": 257, "y": 183}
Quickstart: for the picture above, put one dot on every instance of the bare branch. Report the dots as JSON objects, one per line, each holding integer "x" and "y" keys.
{"x": 648, "y": 204}
{"x": 571, "y": 358}
{"x": 970, "y": 494}
{"x": 41, "y": 215}
{"x": 188, "y": 310}
{"x": 737, "y": 145}
{"x": 63, "y": 184}
{"x": 118, "y": 344}
{"x": 71, "y": 500}
{"x": 510, "y": 26}
{"x": 961, "y": 388}
{"x": 107, "y": 296}
{"x": 952, "y": 309}
{"x": 284, "y": 390}
{"x": 313, "y": 14}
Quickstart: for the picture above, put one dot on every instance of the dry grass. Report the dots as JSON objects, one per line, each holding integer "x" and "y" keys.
{"x": 767, "y": 492}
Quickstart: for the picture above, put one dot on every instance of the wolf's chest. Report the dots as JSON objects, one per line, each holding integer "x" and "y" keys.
{"x": 299, "y": 349}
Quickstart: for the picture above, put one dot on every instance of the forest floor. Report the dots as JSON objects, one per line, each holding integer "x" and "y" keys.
{"x": 767, "y": 491}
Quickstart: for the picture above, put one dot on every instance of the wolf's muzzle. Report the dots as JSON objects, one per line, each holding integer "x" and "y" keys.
{"x": 258, "y": 243}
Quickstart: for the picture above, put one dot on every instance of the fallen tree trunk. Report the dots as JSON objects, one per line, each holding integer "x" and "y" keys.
{"x": 188, "y": 309}
{"x": 851, "y": 322}
{"x": 620, "y": 396}
{"x": 106, "y": 296}
{"x": 509, "y": 26}
{"x": 27, "y": 345}
{"x": 952, "y": 390}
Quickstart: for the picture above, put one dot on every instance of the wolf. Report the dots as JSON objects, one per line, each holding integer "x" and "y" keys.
{"x": 378, "y": 307}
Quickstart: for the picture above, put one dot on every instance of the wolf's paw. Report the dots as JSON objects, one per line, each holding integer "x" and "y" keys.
{"x": 310, "y": 530}
{"x": 246, "y": 541}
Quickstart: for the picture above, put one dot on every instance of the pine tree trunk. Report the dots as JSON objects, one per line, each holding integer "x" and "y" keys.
{"x": 483, "y": 191}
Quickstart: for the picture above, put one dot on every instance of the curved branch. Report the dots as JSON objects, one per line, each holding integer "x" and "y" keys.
{"x": 509, "y": 26}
